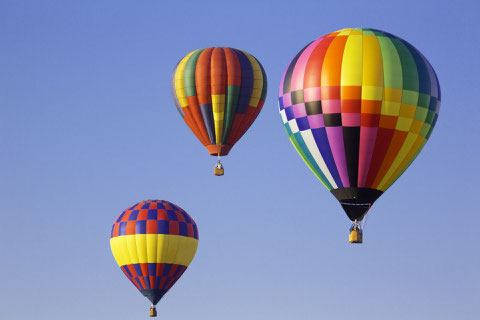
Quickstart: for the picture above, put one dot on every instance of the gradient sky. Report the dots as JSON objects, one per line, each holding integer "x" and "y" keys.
{"x": 88, "y": 127}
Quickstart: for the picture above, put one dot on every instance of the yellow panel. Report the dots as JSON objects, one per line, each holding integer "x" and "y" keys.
{"x": 390, "y": 108}
{"x": 257, "y": 81}
{"x": 372, "y": 63}
{"x": 392, "y": 94}
{"x": 179, "y": 89}
{"x": 116, "y": 246}
{"x": 351, "y": 73}
{"x": 403, "y": 124}
{"x": 172, "y": 249}
{"x": 131, "y": 248}
{"x": 141, "y": 240}
{"x": 160, "y": 248}
{"x": 345, "y": 32}
{"x": 186, "y": 251}
{"x": 406, "y": 147}
{"x": 372, "y": 93}
{"x": 407, "y": 110}
{"x": 152, "y": 247}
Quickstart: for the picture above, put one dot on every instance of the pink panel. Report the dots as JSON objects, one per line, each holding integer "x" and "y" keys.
{"x": 351, "y": 119}
{"x": 331, "y": 106}
{"x": 312, "y": 94}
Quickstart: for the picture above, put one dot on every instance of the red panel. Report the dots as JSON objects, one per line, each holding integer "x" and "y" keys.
{"x": 313, "y": 70}
{"x": 234, "y": 72}
{"x": 142, "y": 214}
{"x": 130, "y": 227}
{"x": 202, "y": 77}
{"x": 173, "y": 228}
{"x": 218, "y": 71}
{"x": 384, "y": 136}
{"x": 152, "y": 227}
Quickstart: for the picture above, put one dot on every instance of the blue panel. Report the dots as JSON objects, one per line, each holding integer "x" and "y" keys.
{"x": 163, "y": 227}
{"x": 246, "y": 86}
{"x": 152, "y": 214}
{"x": 138, "y": 269}
{"x": 321, "y": 139}
{"x": 166, "y": 269}
{"x": 122, "y": 228}
{"x": 280, "y": 103}
{"x": 289, "y": 113}
{"x": 141, "y": 227}
{"x": 183, "y": 228}
{"x": 171, "y": 215}
{"x": 133, "y": 215}
{"x": 303, "y": 124}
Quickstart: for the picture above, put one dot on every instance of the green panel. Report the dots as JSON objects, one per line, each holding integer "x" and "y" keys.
{"x": 409, "y": 67}
{"x": 425, "y": 129}
{"x": 367, "y": 32}
{"x": 232, "y": 95}
{"x": 430, "y": 116}
{"x": 392, "y": 71}
{"x": 420, "y": 114}
{"x": 189, "y": 74}
{"x": 410, "y": 97}
{"x": 424, "y": 100}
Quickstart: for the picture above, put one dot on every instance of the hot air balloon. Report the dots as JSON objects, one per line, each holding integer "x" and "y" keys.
{"x": 154, "y": 242}
{"x": 359, "y": 105}
{"x": 219, "y": 93}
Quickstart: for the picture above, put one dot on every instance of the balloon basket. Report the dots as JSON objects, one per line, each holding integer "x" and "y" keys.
{"x": 356, "y": 234}
{"x": 218, "y": 170}
{"x": 153, "y": 312}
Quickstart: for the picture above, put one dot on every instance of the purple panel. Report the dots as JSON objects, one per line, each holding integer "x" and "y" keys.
{"x": 316, "y": 121}
{"x": 335, "y": 139}
{"x": 287, "y": 100}
{"x": 299, "y": 110}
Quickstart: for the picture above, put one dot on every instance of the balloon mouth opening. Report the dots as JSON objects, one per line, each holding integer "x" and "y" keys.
{"x": 356, "y": 201}
{"x": 220, "y": 150}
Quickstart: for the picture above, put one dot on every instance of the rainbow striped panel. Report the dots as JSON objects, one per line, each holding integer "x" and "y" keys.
{"x": 358, "y": 105}
{"x": 154, "y": 242}
{"x": 219, "y": 92}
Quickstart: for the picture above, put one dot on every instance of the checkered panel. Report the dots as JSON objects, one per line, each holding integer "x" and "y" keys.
{"x": 154, "y": 217}
{"x": 153, "y": 276}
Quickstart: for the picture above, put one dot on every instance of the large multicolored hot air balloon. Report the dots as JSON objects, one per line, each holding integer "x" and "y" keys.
{"x": 153, "y": 242}
{"x": 219, "y": 93}
{"x": 359, "y": 105}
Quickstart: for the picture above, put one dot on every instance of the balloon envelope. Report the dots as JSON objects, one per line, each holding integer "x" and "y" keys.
{"x": 219, "y": 93}
{"x": 154, "y": 242}
{"x": 359, "y": 105}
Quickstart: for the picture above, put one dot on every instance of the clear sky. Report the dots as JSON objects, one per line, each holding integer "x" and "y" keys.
{"x": 88, "y": 127}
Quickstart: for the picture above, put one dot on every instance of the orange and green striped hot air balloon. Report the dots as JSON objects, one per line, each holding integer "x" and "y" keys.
{"x": 219, "y": 92}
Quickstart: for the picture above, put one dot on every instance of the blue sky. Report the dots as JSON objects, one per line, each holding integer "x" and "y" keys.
{"x": 88, "y": 127}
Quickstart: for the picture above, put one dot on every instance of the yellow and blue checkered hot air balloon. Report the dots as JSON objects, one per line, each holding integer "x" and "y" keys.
{"x": 154, "y": 242}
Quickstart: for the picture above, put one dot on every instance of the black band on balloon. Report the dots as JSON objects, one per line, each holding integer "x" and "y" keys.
{"x": 154, "y": 295}
{"x": 356, "y": 201}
